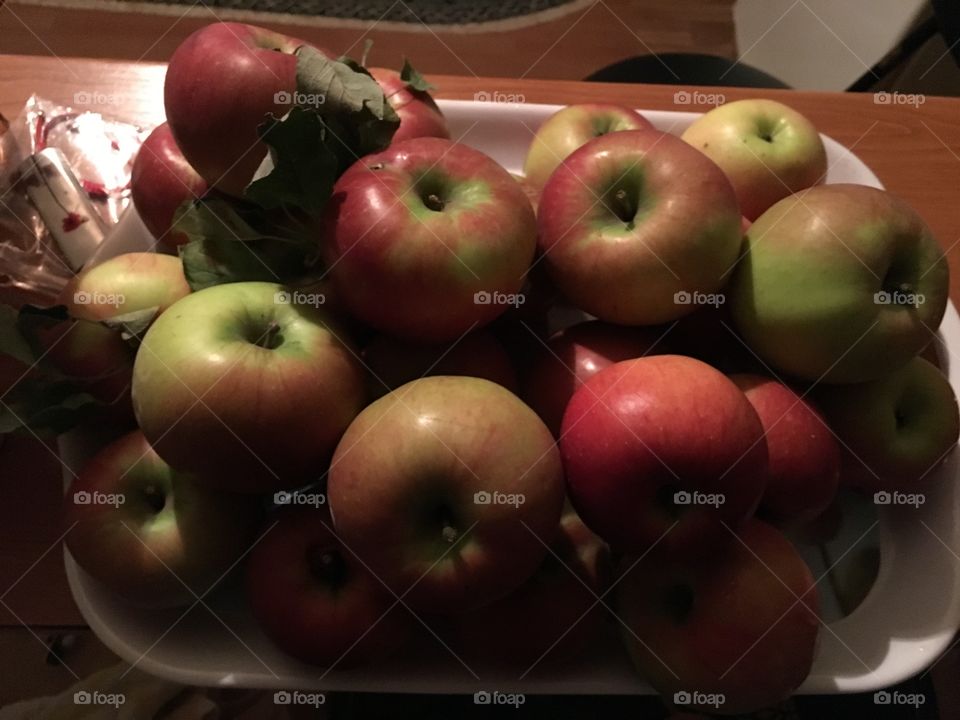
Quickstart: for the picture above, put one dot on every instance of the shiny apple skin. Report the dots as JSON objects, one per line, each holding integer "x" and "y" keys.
{"x": 418, "y": 113}
{"x": 328, "y": 614}
{"x": 804, "y": 456}
{"x": 155, "y": 558}
{"x": 413, "y": 272}
{"x": 402, "y": 486}
{"x": 220, "y": 85}
{"x": 676, "y": 229}
{"x": 640, "y": 431}
{"x": 571, "y": 128}
{"x": 574, "y": 355}
{"x": 160, "y": 182}
{"x": 741, "y": 621}
{"x": 214, "y": 402}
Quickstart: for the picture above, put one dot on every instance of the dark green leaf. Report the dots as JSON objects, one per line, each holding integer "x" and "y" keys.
{"x": 12, "y": 341}
{"x": 45, "y": 406}
{"x": 215, "y": 261}
{"x": 212, "y": 217}
{"x": 413, "y": 78}
{"x": 344, "y": 88}
{"x": 132, "y": 325}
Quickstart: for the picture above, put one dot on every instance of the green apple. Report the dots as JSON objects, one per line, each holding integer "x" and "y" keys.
{"x": 768, "y": 150}
{"x": 149, "y": 533}
{"x": 895, "y": 430}
{"x": 568, "y": 129}
{"x": 247, "y": 386}
{"x": 839, "y": 283}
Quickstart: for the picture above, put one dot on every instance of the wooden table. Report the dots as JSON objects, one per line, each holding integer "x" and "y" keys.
{"x": 914, "y": 150}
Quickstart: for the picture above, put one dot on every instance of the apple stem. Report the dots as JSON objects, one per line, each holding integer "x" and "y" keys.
{"x": 450, "y": 533}
{"x": 622, "y": 207}
{"x": 434, "y": 202}
{"x": 270, "y": 336}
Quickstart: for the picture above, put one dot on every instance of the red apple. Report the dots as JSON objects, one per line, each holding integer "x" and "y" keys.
{"x": 664, "y": 451}
{"x": 732, "y": 631}
{"x": 448, "y": 488}
{"x": 149, "y": 533}
{"x": 393, "y": 362}
{"x": 246, "y": 384}
{"x": 638, "y": 228}
{"x": 160, "y": 182}
{"x": 428, "y": 239}
{"x": 549, "y": 619}
{"x": 804, "y": 456}
{"x": 221, "y": 83}
{"x": 573, "y": 356}
{"x": 572, "y": 127}
{"x": 418, "y": 113}
{"x": 315, "y": 599}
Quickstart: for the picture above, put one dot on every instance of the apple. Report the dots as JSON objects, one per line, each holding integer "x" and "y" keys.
{"x": 573, "y": 356}
{"x": 553, "y": 617}
{"x": 732, "y": 631}
{"x": 897, "y": 430}
{"x": 315, "y": 599}
{"x": 221, "y": 82}
{"x": 428, "y": 239}
{"x": 804, "y": 456}
{"x": 418, "y": 113}
{"x": 662, "y": 451}
{"x": 247, "y": 385}
{"x": 570, "y": 128}
{"x": 838, "y": 284}
{"x": 94, "y": 354}
{"x": 636, "y": 222}
{"x": 768, "y": 150}
{"x": 393, "y": 362}
{"x": 160, "y": 182}
{"x": 151, "y": 534}
{"x": 450, "y": 489}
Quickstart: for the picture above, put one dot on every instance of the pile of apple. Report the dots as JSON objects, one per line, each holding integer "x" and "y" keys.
{"x": 388, "y": 438}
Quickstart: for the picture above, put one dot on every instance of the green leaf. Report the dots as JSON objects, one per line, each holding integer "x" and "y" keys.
{"x": 305, "y": 163}
{"x": 45, "y": 406}
{"x": 132, "y": 325}
{"x": 414, "y": 79}
{"x": 12, "y": 340}
{"x": 212, "y": 217}
{"x": 215, "y": 261}
{"x": 345, "y": 89}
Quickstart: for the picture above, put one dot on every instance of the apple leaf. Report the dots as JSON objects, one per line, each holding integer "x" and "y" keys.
{"x": 132, "y": 325}
{"x": 414, "y": 79}
{"x": 215, "y": 261}
{"x": 43, "y": 406}
{"x": 12, "y": 340}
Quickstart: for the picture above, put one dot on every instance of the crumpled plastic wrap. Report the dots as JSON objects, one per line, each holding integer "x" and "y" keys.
{"x": 99, "y": 150}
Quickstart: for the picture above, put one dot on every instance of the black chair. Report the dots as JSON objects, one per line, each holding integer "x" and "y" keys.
{"x": 686, "y": 69}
